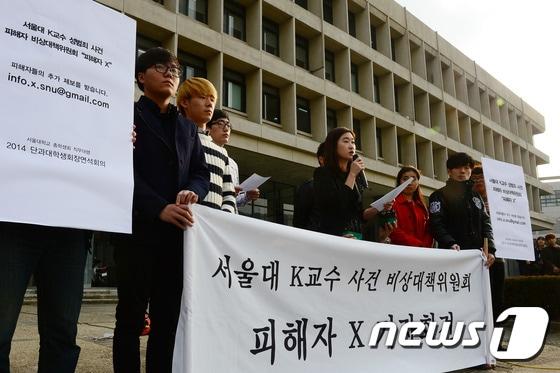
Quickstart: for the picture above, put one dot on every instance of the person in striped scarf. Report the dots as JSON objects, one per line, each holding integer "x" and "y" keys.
{"x": 196, "y": 100}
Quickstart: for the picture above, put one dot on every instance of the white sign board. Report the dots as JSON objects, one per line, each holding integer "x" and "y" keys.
{"x": 509, "y": 210}
{"x": 262, "y": 297}
{"x": 67, "y": 94}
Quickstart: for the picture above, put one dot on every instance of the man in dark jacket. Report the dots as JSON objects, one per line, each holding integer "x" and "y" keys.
{"x": 458, "y": 218}
{"x": 551, "y": 255}
{"x": 169, "y": 174}
{"x": 306, "y": 215}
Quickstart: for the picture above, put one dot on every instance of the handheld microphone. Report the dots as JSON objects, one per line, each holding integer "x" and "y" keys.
{"x": 361, "y": 178}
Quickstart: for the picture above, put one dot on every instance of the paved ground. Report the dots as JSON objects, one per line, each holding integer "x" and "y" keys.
{"x": 96, "y": 328}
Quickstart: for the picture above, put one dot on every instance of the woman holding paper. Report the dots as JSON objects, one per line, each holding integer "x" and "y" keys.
{"x": 338, "y": 196}
{"x": 411, "y": 211}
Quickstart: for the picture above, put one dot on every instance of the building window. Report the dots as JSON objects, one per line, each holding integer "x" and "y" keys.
{"x": 302, "y": 3}
{"x": 271, "y": 104}
{"x": 196, "y": 9}
{"x": 394, "y": 50}
{"x": 234, "y": 90}
{"x": 354, "y": 78}
{"x": 328, "y": 11}
{"x": 373, "y": 37}
{"x": 331, "y": 120}
{"x": 399, "y": 150}
{"x": 270, "y": 40}
{"x": 234, "y": 20}
{"x": 143, "y": 44}
{"x": 329, "y": 66}
{"x": 378, "y": 143}
{"x": 376, "y": 95}
{"x": 357, "y": 128}
{"x": 303, "y": 115}
{"x": 302, "y": 52}
{"x": 352, "y": 24}
{"x": 551, "y": 200}
{"x": 192, "y": 66}
{"x": 397, "y": 103}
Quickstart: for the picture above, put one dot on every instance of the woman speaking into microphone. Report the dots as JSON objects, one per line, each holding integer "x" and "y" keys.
{"x": 338, "y": 189}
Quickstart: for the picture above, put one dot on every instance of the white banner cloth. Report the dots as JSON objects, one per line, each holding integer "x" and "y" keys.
{"x": 309, "y": 292}
{"x": 509, "y": 210}
{"x": 67, "y": 93}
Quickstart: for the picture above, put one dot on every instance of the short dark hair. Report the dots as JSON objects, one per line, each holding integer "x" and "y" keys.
{"x": 459, "y": 160}
{"x": 550, "y": 236}
{"x": 151, "y": 57}
{"x": 218, "y": 114}
{"x": 477, "y": 170}
{"x": 540, "y": 238}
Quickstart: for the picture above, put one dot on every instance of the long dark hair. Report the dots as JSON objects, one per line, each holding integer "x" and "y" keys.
{"x": 417, "y": 195}
{"x": 331, "y": 144}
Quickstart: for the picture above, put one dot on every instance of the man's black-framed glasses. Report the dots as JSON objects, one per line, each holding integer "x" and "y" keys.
{"x": 222, "y": 123}
{"x": 174, "y": 71}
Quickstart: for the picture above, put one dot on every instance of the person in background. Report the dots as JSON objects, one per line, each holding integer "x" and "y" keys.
{"x": 551, "y": 255}
{"x": 169, "y": 174}
{"x": 458, "y": 219}
{"x": 336, "y": 193}
{"x": 219, "y": 129}
{"x": 497, "y": 271}
{"x": 196, "y": 99}
{"x": 56, "y": 257}
{"x": 306, "y": 216}
{"x": 536, "y": 267}
{"x": 411, "y": 212}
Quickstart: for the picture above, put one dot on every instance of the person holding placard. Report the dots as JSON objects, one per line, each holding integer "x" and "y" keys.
{"x": 497, "y": 271}
{"x": 458, "y": 218}
{"x": 411, "y": 212}
{"x": 56, "y": 257}
{"x": 170, "y": 173}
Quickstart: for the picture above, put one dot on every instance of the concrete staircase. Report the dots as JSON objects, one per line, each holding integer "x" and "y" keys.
{"x": 91, "y": 295}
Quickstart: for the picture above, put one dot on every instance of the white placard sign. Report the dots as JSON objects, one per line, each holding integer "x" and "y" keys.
{"x": 67, "y": 94}
{"x": 509, "y": 210}
{"x": 263, "y": 297}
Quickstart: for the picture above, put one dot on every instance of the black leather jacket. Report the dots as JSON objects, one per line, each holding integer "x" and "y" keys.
{"x": 458, "y": 216}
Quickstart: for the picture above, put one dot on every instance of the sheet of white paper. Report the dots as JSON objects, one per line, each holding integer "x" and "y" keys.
{"x": 509, "y": 210}
{"x": 67, "y": 114}
{"x": 378, "y": 205}
{"x": 253, "y": 182}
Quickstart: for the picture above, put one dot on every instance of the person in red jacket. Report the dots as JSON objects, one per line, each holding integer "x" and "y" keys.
{"x": 412, "y": 213}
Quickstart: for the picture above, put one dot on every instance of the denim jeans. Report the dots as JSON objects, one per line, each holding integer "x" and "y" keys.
{"x": 56, "y": 256}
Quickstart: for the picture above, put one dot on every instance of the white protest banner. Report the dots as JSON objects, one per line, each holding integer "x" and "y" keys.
{"x": 262, "y": 297}
{"x": 509, "y": 209}
{"x": 67, "y": 93}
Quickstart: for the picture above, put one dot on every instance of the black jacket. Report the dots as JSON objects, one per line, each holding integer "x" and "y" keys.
{"x": 162, "y": 168}
{"x": 306, "y": 215}
{"x": 339, "y": 207}
{"x": 458, "y": 216}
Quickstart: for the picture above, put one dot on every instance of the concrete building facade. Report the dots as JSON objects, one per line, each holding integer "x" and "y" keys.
{"x": 550, "y": 204}
{"x": 289, "y": 71}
